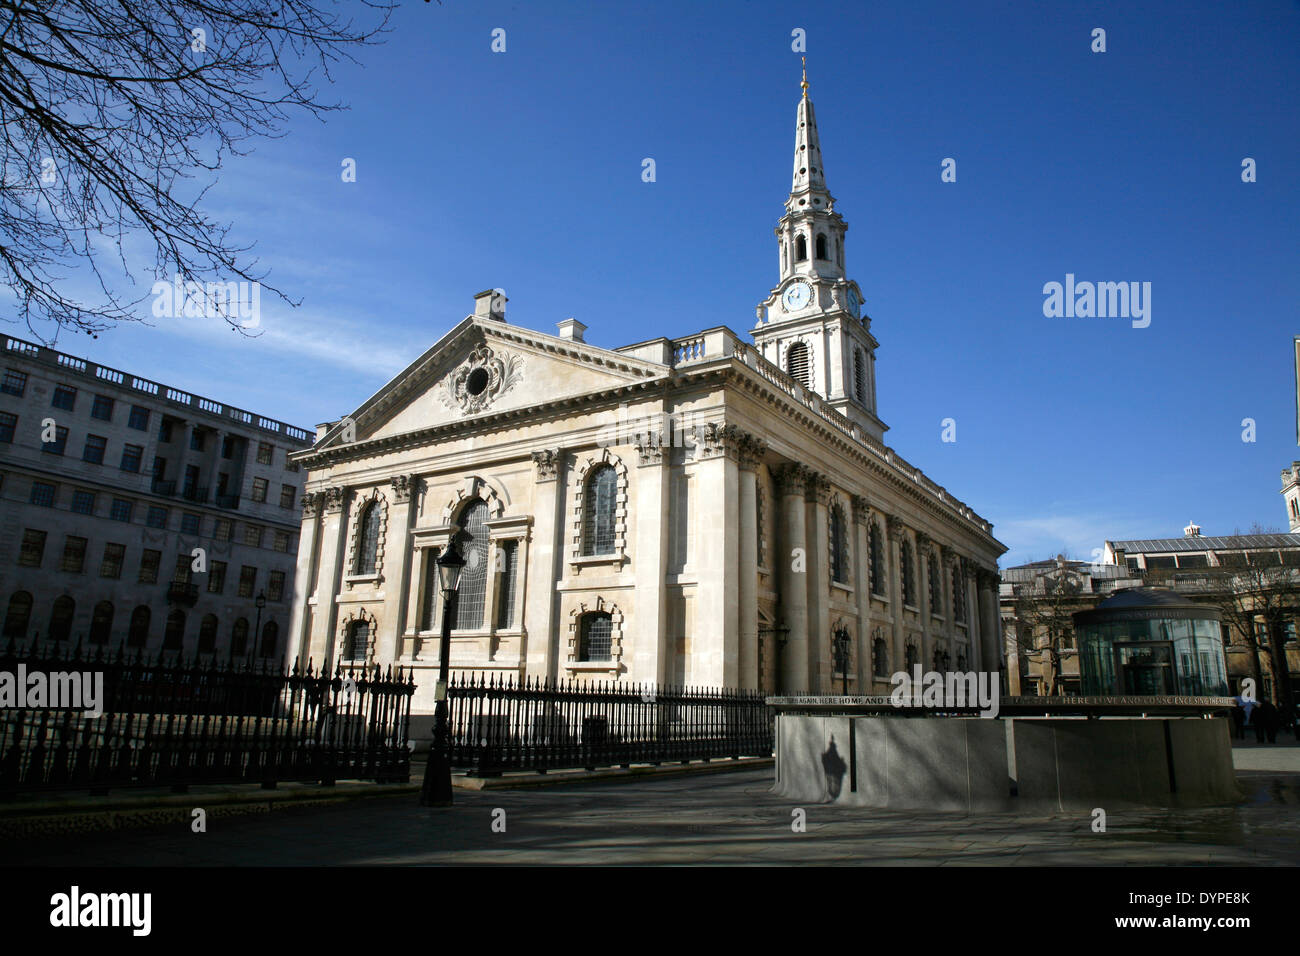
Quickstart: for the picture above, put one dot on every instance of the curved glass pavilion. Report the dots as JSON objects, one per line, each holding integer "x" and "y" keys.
{"x": 1145, "y": 641}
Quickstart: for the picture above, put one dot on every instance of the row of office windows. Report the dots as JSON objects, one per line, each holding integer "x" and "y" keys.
{"x": 20, "y": 624}
{"x": 31, "y": 554}
{"x": 44, "y": 494}
{"x": 64, "y": 398}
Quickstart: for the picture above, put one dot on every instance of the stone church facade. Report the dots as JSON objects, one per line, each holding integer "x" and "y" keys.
{"x": 705, "y": 510}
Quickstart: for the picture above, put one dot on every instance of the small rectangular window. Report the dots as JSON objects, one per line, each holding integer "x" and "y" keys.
{"x": 65, "y": 397}
{"x": 196, "y": 440}
{"x": 74, "y": 554}
{"x": 275, "y": 587}
{"x": 253, "y": 535}
{"x": 216, "y": 577}
{"x": 265, "y": 453}
{"x": 281, "y": 541}
{"x": 259, "y": 489}
{"x": 287, "y": 494}
{"x": 8, "y": 425}
{"x": 42, "y": 494}
{"x": 247, "y": 580}
{"x": 120, "y": 510}
{"x": 93, "y": 451}
{"x": 83, "y": 502}
{"x": 102, "y": 408}
{"x": 139, "y": 418}
{"x": 14, "y": 382}
{"x": 60, "y": 443}
{"x": 114, "y": 556}
{"x": 190, "y": 523}
{"x": 131, "y": 455}
{"x": 165, "y": 430}
{"x": 149, "y": 561}
{"x": 221, "y": 529}
{"x": 289, "y": 465}
{"x": 157, "y": 517}
{"x": 32, "y": 549}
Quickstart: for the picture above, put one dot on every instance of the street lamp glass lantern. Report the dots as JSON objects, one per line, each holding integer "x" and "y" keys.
{"x": 450, "y": 564}
{"x": 260, "y": 601}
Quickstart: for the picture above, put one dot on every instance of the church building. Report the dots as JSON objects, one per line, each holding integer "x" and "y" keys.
{"x": 714, "y": 510}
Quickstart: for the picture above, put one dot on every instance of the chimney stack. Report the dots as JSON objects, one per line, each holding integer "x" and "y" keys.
{"x": 571, "y": 329}
{"x": 490, "y": 304}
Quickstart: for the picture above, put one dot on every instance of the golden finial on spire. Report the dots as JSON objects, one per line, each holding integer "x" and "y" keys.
{"x": 804, "y": 84}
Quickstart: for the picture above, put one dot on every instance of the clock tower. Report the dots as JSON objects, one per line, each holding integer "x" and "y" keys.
{"x": 812, "y": 324}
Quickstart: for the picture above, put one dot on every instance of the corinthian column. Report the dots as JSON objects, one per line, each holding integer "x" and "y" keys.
{"x": 717, "y": 450}
{"x": 333, "y": 540}
{"x": 751, "y": 450}
{"x": 793, "y": 561}
{"x": 818, "y": 495}
{"x": 304, "y": 580}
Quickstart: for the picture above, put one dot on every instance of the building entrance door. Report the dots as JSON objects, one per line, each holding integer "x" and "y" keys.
{"x": 1145, "y": 668}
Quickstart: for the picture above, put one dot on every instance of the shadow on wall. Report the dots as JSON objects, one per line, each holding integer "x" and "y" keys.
{"x": 833, "y": 766}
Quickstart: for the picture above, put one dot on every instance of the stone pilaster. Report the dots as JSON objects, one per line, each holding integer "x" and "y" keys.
{"x": 304, "y": 580}
{"x": 817, "y": 495}
{"x": 895, "y": 530}
{"x": 751, "y": 452}
{"x": 541, "y": 616}
{"x": 990, "y": 621}
{"x": 651, "y": 490}
{"x": 861, "y": 530}
{"x": 333, "y": 547}
{"x": 792, "y": 561}
{"x": 717, "y": 453}
{"x": 399, "y": 554}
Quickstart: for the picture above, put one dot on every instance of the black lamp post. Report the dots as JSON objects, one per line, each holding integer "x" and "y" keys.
{"x": 436, "y": 789}
{"x": 841, "y": 650}
{"x": 259, "y": 602}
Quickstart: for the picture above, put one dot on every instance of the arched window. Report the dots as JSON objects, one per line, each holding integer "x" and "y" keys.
{"x": 18, "y": 616}
{"x": 467, "y": 609}
{"x": 936, "y": 588}
{"x": 880, "y": 657}
{"x": 958, "y": 594}
{"x": 821, "y": 246}
{"x": 760, "y": 506}
{"x": 174, "y": 633}
{"x": 101, "y": 623}
{"x": 859, "y": 376}
{"x": 839, "y": 546}
{"x": 877, "y": 561}
{"x": 599, "y": 504}
{"x": 796, "y": 364}
{"x": 270, "y": 638}
{"x": 239, "y": 638}
{"x": 913, "y": 657}
{"x": 61, "y": 618}
{"x": 368, "y": 540}
{"x": 800, "y": 249}
{"x": 138, "y": 633}
{"x": 909, "y": 574}
{"x": 358, "y": 640}
{"x": 596, "y": 636}
{"x": 208, "y": 634}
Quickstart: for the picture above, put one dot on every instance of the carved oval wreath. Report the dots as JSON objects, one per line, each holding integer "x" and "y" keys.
{"x": 482, "y": 378}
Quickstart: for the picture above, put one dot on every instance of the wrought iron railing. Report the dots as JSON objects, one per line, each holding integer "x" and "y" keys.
{"x": 169, "y": 722}
{"x": 499, "y": 725}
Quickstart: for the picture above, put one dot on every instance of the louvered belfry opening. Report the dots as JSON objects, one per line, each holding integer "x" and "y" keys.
{"x": 796, "y": 364}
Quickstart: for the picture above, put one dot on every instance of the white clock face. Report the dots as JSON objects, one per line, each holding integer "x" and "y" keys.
{"x": 796, "y": 297}
{"x": 851, "y": 300}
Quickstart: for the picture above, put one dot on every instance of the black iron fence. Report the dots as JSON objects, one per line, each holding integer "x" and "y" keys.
{"x": 170, "y": 722}
{"x": 499, "y": 725}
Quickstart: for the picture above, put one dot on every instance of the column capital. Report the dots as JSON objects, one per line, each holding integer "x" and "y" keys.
{"x": 334, "y": 498}
{"x": 861, "y": 509}
{"x": 547, "y": 463}
{"x": 817, "y": 489}
{"x": 895, "y": 528}
{"x": 791, "y": 479}
{"x": 313, "y": 503}
{"x": 968, "y": 567}
{"x": 922, "y": 541}
{"x": 987, "y": 579}
{"x": 714, "y": 439}
{"x": 403, "y": 487}
{"x": 649, "y": 448}
{"x": 752, "y": 450}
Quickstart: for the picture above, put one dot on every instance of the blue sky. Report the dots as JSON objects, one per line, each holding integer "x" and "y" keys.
{"x": 522, "y": 170}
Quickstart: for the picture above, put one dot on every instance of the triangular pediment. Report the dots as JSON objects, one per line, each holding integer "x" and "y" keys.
{"x": 483, "y": 367}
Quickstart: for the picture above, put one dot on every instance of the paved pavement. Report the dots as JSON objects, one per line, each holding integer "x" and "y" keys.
{"x": 710, "y": 819}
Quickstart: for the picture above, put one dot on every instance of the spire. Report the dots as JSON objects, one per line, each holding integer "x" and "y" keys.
{"x": 808, "y": 182}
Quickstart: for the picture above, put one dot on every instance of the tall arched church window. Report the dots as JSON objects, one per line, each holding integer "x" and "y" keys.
{"x": 796, "y": 364}
{"x": 358, "y": 640}
{"x": 270, "y": 639}
{"x": 138, "y": 633}
{"x": 877, "y": 561}
{"x": 509, "y": 567}
{"x": 821, "y": 246}
{"x": 936, "y": 588}
{"x": 208, "y": 634}
{"x": 239, "y": 638}
{"x": 880, "y": 657}
{"x": 909, "y": 574}
{"x": 598, "y": 511}
{"x": 368, "y": 540}
{"x": 18, "y": 616}
{"x": 958, "y": 594}
{"x": 839, "y": 547}
{"x": 801, "y": 249}
{"x": 61, "y": 618}
{"x": 174, "y": 633}
{"x": 467, "y": 610}
{"x": 596, "y": 637}
{"x": 101, "y": 623}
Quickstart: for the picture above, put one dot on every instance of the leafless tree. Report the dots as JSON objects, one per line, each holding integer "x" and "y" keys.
{"x": 1043, "y": 617}
{"x": 115, "y": 116}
